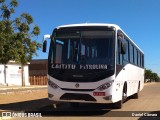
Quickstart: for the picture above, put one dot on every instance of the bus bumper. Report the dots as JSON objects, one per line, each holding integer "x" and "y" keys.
{"x": 82, "y": 97}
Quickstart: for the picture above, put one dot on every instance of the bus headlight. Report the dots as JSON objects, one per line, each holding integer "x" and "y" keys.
{"x": 52, "y": 84}
{"x": 105, "y": 86}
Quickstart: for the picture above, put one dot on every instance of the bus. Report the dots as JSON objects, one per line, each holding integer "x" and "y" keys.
{"x": 93, "y": 63}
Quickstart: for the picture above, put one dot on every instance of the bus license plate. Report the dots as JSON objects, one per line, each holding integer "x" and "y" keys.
{"x": 99, "y": 93}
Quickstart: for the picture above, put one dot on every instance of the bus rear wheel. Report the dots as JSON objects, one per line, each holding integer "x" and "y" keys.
{"x": 136, "y": 96}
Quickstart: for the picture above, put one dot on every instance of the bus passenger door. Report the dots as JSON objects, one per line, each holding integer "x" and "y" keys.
{"x": 120, "y": 66}
{"x": 120, "y": 57}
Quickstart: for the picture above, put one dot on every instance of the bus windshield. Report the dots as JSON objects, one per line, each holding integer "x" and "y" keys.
{"x": 82, "y": 50}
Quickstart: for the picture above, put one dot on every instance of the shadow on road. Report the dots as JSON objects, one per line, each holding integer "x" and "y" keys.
{"x": 83, "y": 110}
{"x": 45, "y": 107}
{"x": 26, "y": 105}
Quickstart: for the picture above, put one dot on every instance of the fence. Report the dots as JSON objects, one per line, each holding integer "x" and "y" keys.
{"x": 38, "y": 80}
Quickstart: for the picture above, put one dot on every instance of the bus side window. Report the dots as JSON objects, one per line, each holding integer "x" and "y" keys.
{"x": 135, "y": 56}
{"x": 126, "y": 56}
{"x": 142, "y": 60}
{"x": 119, "y": 55}
{"x": 131, "y": 53}
{"x": 139, "y": 59}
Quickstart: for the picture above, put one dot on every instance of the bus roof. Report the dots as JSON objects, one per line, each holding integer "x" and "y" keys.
{"x": 98, "y": 24}
{"x": 89, "y": 24}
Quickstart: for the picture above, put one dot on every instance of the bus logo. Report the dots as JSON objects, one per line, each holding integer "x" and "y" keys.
{"x": 6, "y": 115}
{"x": 77, "y": 85}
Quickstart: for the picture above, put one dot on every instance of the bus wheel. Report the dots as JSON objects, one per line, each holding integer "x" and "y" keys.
{"x": 124, "y": 96}
{"x": 135, "y": 96}
{"x": 118, "y": 104}
{"x": 74, "y": 105}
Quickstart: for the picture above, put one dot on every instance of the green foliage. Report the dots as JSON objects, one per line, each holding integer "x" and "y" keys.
{"x": 150, "y": 75}
{"x": 7, "y": 10}
{"x": 1, "y": 1}
{"x": 14, "y": 3}
{"x": 17, "y": 36}
{"x": 27, "y": 18}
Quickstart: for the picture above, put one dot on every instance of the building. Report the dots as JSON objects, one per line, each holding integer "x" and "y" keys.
{"x": 35, "y": 73}
{"x": 11, "y": 74}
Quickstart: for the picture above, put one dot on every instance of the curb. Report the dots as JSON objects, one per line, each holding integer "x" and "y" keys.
{"x": 21, "y": 90}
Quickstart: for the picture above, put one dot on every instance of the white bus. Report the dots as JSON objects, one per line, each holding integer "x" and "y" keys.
{"x": 93, "y": 63}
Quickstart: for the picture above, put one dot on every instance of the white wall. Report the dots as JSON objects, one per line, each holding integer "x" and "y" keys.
{"x": 14, "y": 75}
{"x": 2, "y": 74}
{"x": 26, "y": 75}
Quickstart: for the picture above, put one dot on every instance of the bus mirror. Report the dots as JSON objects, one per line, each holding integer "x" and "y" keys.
{"x": 123, "y": 47}
{"x": 123, "y": 44}
{"x": 45, "y": 42}
{"x": 44, "y": 45}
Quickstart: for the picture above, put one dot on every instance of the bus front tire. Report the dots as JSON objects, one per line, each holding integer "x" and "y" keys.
{"x": 118, "y": 104}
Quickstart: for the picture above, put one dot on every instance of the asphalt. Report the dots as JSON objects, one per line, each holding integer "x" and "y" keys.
{"x": 8, "y": 90}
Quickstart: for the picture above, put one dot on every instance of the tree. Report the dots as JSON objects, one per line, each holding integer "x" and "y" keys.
{"x": 152, "y": 76}
{"x": 155, "y": 77}
{"x": 148, "y": 74}
{"x": 17, "y": 36}
{"x": 6, "y": 32}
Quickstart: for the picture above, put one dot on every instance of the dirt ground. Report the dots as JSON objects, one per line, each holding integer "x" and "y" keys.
{"x": 19, "y": 97}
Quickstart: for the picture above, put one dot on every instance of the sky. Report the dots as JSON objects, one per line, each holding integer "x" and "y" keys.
{"x": 139, "y": 19}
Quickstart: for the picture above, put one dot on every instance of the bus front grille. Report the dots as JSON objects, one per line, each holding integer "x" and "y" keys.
{"x": 67, "y": 89}
{"x": 73, "y": 96}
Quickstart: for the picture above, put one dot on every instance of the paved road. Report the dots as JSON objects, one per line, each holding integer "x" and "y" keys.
{"x": 148, "y": 104}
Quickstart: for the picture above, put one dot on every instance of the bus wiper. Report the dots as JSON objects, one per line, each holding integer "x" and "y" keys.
{"x": 75, "y": 54}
